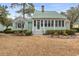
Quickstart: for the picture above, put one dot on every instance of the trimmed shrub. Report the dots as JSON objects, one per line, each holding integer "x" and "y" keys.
{"x": 76, "y": 29}
{"x": 8, "y": 31}
{"x": 60, "y": 32}
{"x": 64, "y": 33}
{"x": 20, "y": 32}
{"x": 70, "y": 32}
{"x": 48, "y": 32}
{"x": 23, "y": 32}
{"x": 28, "y": 33}
{"x": 1, "y": 31}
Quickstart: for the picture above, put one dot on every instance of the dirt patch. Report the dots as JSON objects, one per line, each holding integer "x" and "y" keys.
{"x": 38, "y": 45}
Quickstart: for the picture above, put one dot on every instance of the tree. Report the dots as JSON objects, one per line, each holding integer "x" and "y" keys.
{"x": 72, "y": 14}
{"x": 6, "y": 22}
{"x": 3, "y": 16}
{"x": 27, "y": 8}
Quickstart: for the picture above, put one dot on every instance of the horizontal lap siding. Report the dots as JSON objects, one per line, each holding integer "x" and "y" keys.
{"x": 30, "y": 26}
{"x": 25, "y": 27}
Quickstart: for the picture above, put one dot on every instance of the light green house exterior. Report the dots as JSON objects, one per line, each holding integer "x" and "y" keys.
{"x": 2, "y": 28}
{"x": 76, "y": 24}
{"x": 41, "y": 21}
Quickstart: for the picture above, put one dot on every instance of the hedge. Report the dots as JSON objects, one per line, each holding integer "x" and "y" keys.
{"x": 60, "y": 32}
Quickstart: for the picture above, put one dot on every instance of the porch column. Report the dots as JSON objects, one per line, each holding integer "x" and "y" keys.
{"x": 58, "y": 23}
{"x": 64, "y": 23}
{"x": 36, "y": 25}
{"x": 32, "y": 25}
{"x": 61, "y": 23}
{"x": 40, "y": 22}
{"x": 47, "y": 23}
{"x": 54, "y": 23}
{"x": 44, "y": 26}
{"x": 50, "y": 23}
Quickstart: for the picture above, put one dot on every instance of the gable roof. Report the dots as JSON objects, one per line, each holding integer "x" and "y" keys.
{"x": 20, "y": 19}
{"x": 47, "y": 14}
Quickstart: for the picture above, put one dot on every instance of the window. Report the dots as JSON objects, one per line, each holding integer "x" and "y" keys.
{"x": 56, "y": 23}
{"x": 59, "y": 23}
{"x": 41, "y": 23}
{"x": 34, "y": 22}
{"x": 62, "y": 23}
{"x": 38, "y": 24}
{"x": 48, "y": 23}
{"x": 45, "y": 23}
{"x": 16, "y": 25}
{"x": 52, "y": 23}
{"x": 19, "y": 25}
{"x": 22, "y": 25}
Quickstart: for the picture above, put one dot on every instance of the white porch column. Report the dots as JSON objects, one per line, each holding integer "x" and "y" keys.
{"x": 64, "y": 23}
{"x": 43, "y": 23}
{"x": 32, "y": 25}
{"x": 61, "y": 23}
{"x": 50, "y": 23}
{"x": 54, "y": 23}
{"x": 40, "y": 23}
{"x": 44, "y": 26}
{"x": 47, "y": 23}
{"x": 58, "y": 23}
{"x": 36, "y": 25}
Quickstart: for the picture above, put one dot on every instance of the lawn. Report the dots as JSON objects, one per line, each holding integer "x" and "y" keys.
{"x": 37, "y": 45}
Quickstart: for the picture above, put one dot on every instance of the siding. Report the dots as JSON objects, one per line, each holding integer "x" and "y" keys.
{"x": 2, "y": 28}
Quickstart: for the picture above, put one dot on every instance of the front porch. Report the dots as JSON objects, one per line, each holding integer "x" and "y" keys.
{"x": 39, "y": 26}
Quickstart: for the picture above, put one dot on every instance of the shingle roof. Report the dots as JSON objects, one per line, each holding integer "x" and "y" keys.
{"x": 47, "y": 14}
{"x": 20, "y": 18}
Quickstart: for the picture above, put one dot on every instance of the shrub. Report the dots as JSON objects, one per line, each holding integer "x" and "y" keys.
{"x": 56, "y": 33}
{"x": 8, "y": 31}
{"x": 48, "y": 32}
{"x": 60, "y": 32}
{"x": 76, "y": 29}
{"x": 70, "y": 32}
{"x": 20, "y": 32}
{"x": 28, "y": 33}
{"x": 23, "y": 32}
{"x": 64, "y": 33}
{"x": 1, "y": 31}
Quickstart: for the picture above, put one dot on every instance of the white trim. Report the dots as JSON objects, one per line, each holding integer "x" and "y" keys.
{"x": 54, "y": 24}
{"x": 57, "y": 23}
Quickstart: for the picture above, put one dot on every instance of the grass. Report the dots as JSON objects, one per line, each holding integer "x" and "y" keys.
{"x": 37, "y": 45}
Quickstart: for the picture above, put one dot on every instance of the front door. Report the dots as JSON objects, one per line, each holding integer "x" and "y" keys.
{"x": 38, "y": 24}
{"x": 37, "y": 27}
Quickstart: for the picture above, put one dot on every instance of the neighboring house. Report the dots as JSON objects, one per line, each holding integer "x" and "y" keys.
{"x": 76, "y": 24}
{"x": 2, "y": 28}
{"x": 22, "y": 24}
{"x": 42, "y": 21}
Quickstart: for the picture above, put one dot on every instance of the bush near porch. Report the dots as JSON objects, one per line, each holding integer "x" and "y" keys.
{"x": 18, "y": 32}
{"x": 8, "y": 31}
{"x": 23, "y": 32}
{"x": 60, "y": 32}
{"x": 77, "y": 29}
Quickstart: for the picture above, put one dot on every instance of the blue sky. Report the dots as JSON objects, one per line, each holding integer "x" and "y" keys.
{"x": 48, "y": 7}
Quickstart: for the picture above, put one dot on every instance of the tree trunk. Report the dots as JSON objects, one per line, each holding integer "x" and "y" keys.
{"x": 71, "y": 25}
{"x": 7, "y": 27}
{"x": 23, "y": 15}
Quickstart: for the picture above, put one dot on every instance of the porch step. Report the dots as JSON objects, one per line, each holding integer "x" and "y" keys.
{"x": 37, "y": 33}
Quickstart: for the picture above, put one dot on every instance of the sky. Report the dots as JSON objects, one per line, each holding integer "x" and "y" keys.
{"x": 59, "y": 7}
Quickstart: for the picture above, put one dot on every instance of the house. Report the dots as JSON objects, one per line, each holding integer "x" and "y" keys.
{"x": 2, "y": 27}
{"x": 42, "y": 21}
{"x": 76, "y": 24}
